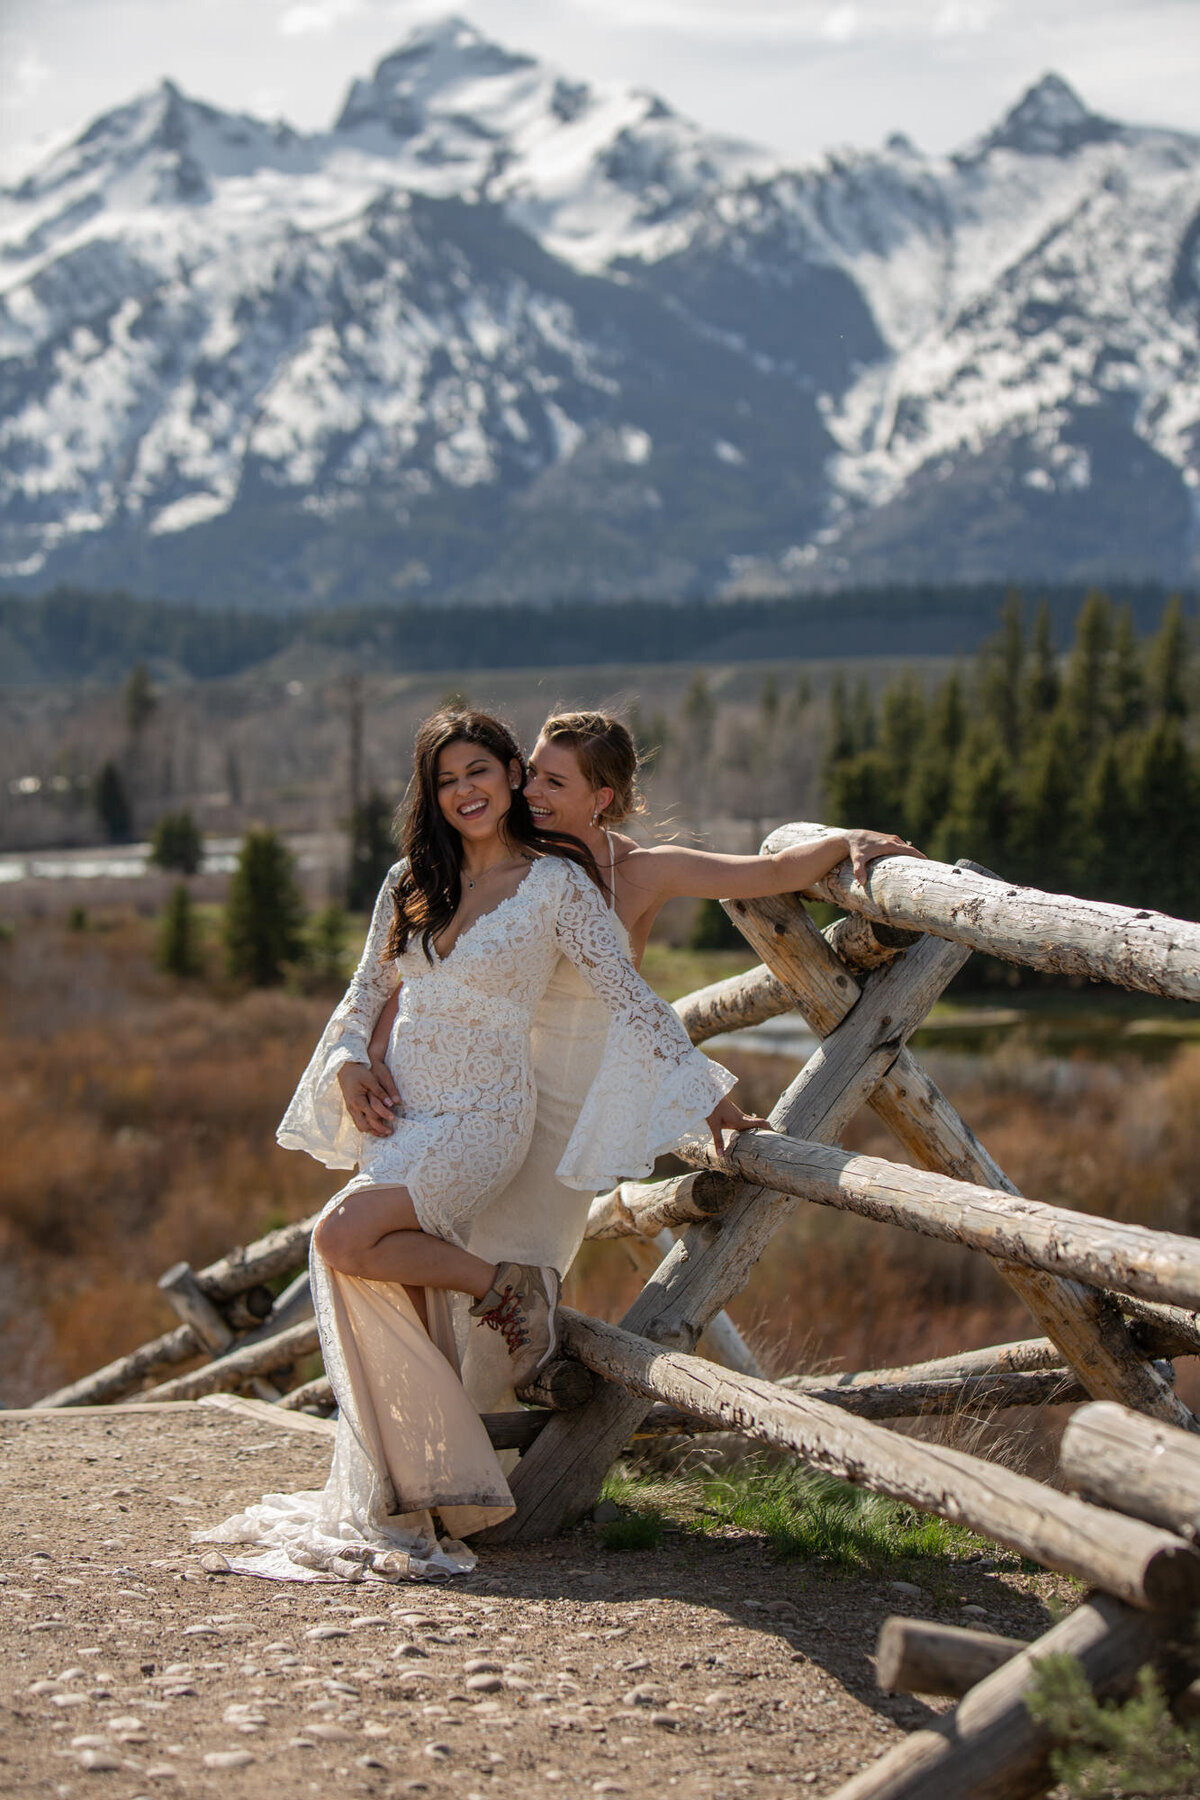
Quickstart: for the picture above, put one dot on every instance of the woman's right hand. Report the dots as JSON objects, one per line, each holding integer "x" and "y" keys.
{"x": 371, "y": 1097}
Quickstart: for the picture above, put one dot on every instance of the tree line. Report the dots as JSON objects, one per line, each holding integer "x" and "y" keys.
{"x": 75, "y": 635}
{"x": 1076, "y": 774}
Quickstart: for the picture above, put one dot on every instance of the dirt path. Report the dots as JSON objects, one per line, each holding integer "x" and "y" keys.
{"x": 705, "y": 1668}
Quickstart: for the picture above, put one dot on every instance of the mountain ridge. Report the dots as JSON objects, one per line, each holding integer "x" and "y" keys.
{"x": 499, "y": 334}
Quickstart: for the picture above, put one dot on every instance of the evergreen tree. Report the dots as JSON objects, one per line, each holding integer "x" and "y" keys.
{"x": 1128, "y": 683}
{"x": 1001, "y": 669}
{"x": 768, "y": 701}
{"x": 861, "y": 790}
{"x": 372, "y": 851}
{"x": 978, "y": 819}
{"x": 864, "y": 715}
{"x": 1109, "y": 823}
{"x": 1086, "y": 692}
{"x": 140, "y": 700}
{"x": 1164, "y": 871}
{"x": 1167, "y": 664}
{"x": 1045, "y": 824}
{"x": 112, "y": 803}
{"x": 713, "y": 929}
{"x": 176, "y": 843}
{"x": 902, "y": 713}
{"x": 178, "y": 943}
{"x": 843, "y": 740}
{"x": 264, "y": 917}
{"x": 1042, "y": 684}
{"x": 326, "y": 943}
{"x": 927, "y": 791}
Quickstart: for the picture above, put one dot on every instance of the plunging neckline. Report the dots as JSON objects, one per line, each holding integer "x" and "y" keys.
{"x": 489, "y": 914}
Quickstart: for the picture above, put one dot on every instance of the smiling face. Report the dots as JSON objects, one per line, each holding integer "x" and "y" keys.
{"x": 474, "y": 790}
{"x": 559, "y": 794}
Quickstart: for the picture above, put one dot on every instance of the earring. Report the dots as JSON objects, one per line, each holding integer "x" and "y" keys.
{"x": 596, "y": 818}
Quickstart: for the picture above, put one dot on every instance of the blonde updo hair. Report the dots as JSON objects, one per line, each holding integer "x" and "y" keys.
{"x": 607, "y": 756}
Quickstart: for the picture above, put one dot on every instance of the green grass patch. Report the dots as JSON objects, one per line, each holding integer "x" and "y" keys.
{"x": 639, "y": 1531}
{"x": 800, "y": 1512}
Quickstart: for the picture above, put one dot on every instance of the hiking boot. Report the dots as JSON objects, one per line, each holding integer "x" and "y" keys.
{"x": 520, "y": 1303}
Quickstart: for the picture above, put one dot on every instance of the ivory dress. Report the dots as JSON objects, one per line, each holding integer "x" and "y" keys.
{"x": 409, "y": 1440}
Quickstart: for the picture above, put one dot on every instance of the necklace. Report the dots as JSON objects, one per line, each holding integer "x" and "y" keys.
{"x": 513, "y": 863}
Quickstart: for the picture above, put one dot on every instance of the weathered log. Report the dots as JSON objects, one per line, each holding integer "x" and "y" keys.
{"x": 294, "y": 1303}
{"x": 560, "y": 1475}
{"x": 1161, "y": 1330}
{"x": 862, "y": 944}
{"x": 279, "y": 1252}
{"x": 124, "y": 1374}
{"x": 1084, "y": 1322}
{"x": 893, "y": 1397}
{"x": 1140, "y": 1563}
{"x": 561, "y": 1386}
{"x": 1162, "y": 1265}
{"x": 1140, "y": 1466}
{"x": 235, "y": 1370}
{"x": 246, "y": 1312}
{"x": 194, "y": 1307}
{"x": 722, "y": 1337}
{"x": 733, "y": 1005}
{"x": 1149, "y": 952}
{"x": 991, "y": 1748}
{"x": 316, "y": 1395}
{"x": 914, "y": 1656}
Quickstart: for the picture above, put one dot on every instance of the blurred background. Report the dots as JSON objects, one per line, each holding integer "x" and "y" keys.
{"x": 817, "y": 386}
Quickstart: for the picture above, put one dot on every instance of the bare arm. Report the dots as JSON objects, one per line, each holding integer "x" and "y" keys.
{"x": 707, "y": 874}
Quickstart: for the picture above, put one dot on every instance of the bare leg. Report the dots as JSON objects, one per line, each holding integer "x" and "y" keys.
{"x": 375, "y": 1235}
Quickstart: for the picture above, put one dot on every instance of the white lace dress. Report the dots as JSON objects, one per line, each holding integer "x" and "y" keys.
{"x": 409, "y": 1439}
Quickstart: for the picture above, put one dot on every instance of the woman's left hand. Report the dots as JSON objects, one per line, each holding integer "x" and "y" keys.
{"x": 867, "y": 846}
{"x": 727, "y": 1115}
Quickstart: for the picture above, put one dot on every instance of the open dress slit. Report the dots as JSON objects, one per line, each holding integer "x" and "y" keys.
{"x": 524, "y": 1090}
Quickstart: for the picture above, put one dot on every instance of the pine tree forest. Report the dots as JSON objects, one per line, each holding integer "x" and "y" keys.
{"x": 1080, "y": 775}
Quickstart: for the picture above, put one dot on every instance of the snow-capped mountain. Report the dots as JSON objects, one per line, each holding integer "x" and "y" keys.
{"x": 498, "y": 333}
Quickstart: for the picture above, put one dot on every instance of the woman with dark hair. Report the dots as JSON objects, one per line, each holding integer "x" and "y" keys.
{"x": 466, "y": 934}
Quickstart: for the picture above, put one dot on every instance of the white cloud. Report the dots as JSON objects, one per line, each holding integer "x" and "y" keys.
{"x": 316, "y": 18}
{"x": 28, "y": 75}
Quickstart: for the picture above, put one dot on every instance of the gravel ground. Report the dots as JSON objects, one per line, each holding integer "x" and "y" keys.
{"x": 705, "y": 1667}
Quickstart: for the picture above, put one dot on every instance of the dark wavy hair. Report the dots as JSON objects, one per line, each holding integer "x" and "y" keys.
{"x": 430, "y": 889}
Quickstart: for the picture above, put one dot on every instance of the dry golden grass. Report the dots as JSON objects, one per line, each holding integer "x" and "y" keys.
{"x": 138, "y": 1115}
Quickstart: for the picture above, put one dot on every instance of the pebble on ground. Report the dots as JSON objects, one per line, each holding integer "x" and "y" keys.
{"x": 137, "y": 1667}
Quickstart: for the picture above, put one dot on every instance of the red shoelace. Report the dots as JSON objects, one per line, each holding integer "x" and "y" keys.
{"x": 509, "y": 1318}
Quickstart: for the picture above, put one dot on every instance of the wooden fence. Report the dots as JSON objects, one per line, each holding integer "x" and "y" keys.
{"x": 1110, "y": 1301}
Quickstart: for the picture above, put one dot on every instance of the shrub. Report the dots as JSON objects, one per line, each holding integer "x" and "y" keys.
{"x": 176, "y": 843}
{"x": 264, "y": 919}
{"x": 178, "y": 944}
{"x": 1108, "y": 1748}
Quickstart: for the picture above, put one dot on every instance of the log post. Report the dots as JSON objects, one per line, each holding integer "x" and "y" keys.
{"x": 1140, "y": 1466}
{"x": 194, "y": 1307}
{"x": 1149, "y": 952}
{"x": 1084, "y": 1322}
{"x": 123, "y": 1375}
{"x": 991, "y": 1748}
{"x": 1146, "y": 1566}
{"x": 722, "y": 1336}
{"x": 916, "y": 1657}
{"x": 560, "y": 1475}
{"x": 228, "y": 1373}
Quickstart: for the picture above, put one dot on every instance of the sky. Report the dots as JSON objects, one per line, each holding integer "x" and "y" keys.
{"x": 797, "y": 76}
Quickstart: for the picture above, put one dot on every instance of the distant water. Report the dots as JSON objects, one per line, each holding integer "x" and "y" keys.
{"x": 786, "y": 1035}
{"x": 122, "y": 861}
{"x": 312, "y": 850}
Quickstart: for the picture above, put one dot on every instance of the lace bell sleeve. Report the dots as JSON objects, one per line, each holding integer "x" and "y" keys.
{"x": 316, "y": 1119}
{"x": 653, "y": 1088}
